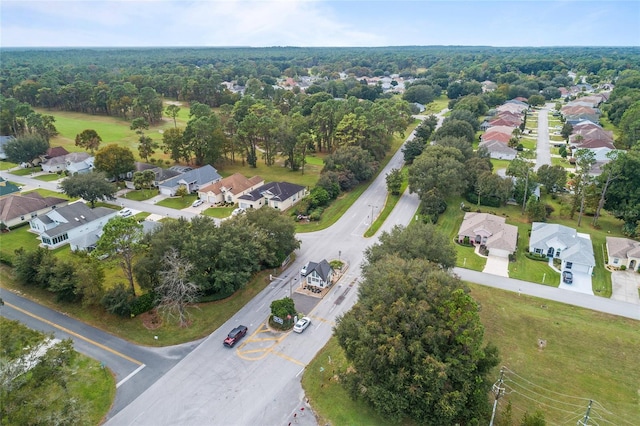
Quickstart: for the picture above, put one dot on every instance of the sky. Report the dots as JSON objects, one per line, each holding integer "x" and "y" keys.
{"x": 262, "y": 23}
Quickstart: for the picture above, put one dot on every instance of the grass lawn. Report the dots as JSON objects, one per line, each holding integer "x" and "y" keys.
{"x": 499, "y": 164}
{"x": 559, "y": 161}
{"x": 6, "y": 165}
{"x": 178, "y": 203}
{"x": 588, "y": 355}
{"x": 49, "y": 177}
{"x": 437, "y": 105}
{"x": 218, "y": 212}
{"x": 528, "y": 143}
{"x": 141, "y": 194}
{"x": 26, "y": 172}
{"x": 94, "y": 386}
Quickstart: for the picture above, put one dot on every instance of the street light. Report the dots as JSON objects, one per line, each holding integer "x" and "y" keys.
{"x": 372, "y": 207}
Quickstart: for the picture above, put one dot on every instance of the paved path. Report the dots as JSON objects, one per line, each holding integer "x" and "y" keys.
{"x": 543, "y": 149}
{"x": 613, "y": 307}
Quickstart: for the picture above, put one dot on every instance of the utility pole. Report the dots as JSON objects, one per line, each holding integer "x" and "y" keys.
{"x": 585, "y": 420}
{"x": 498, "y": 390}
{"x": 526, "y": 187}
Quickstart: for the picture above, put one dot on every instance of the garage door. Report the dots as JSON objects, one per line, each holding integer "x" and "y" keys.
{"x": 576, "y": 267}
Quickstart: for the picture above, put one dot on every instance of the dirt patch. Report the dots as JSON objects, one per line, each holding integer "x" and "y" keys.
{"x": 151, "y": 320}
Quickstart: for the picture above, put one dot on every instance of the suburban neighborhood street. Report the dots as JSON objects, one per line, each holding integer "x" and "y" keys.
{"x": 543, "y": 150}
{"x": 257, "y": 381}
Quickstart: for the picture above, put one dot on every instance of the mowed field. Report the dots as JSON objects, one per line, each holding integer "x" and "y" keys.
{"x": 585, "y": 355}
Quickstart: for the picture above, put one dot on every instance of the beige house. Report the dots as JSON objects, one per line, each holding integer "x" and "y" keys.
{"x": 228, "y": 190}
{"x": 17, "y": 209}
{"x": 278, "y": 195}
{"x": 490, "y": 231}
{"x": 623, "y": 251}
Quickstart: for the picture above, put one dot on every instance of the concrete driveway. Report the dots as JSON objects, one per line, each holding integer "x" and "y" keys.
{"x": 581, "y": 283}
{"x": 625, "y": 286}
{"x": 497, "y": 265}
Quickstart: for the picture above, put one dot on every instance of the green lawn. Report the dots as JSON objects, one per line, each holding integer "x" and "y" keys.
{"x": 588, "y": 355}
{"x": 218, "y": 212}
{"x": 437, "y": 105}
{"x": 528, "y": 143}
{"x": 49, "y": 177}
{"x": 6, "y": 165}
{"x": 141, "y": 194}
{"x": 178, "y": 203}
{"x": 26, "y": 172}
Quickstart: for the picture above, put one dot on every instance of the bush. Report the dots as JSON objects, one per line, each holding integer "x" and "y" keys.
{"x": 623, "y": 267}
{"x": 536, "y": 256}
{"x": 5, "y": 259}
{"x": 143, "y": 303}
{"x": 316, "y": 214}
{"x": 118, "y": 300}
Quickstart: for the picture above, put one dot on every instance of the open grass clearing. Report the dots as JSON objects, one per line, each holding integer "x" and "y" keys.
{"x": 587, "y": 355}
{"x": 436, "y": 106}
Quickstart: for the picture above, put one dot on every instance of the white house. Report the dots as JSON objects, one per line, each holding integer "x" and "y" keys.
{"x": 193, "y": 180}
{"x": 229, "y": 189}
{"x": 279, "y": 195}
{"x": 319, "y": 274}
{"x": 74, "y": 222}
{"x": 572, "y": 248}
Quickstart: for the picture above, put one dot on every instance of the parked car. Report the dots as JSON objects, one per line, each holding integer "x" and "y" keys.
{"x": 303, "y": 271}
{"x": 302, "y": 324}
{"x": 125, "y": 212}
{"x": 235, "y": 335}
{"x": 567, "y": 277}
{"x": 197, "y": 203}
{"x": 237, "y": 211}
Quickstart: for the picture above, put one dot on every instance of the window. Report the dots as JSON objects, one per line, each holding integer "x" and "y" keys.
{"x": 615, "y": 261}
{"x": 569, "y": 265}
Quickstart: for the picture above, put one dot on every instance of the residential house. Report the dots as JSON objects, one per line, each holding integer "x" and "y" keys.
{"x": 192, "y": 180}
{"x": 498, "y": 150}
{"x": 17, "y": 209}
{"x": 4, "y": 140}
{"x": 56, "y": 151}
{"x": 75, "y": 223}
{"x": 7, "y": 187}
{"x": 558, "y": 241}
{"x": 488, "y": 86}
{"x": 279, "y": 195}
{"x": 229, "y": 189}
{"x": 319, "y": 274}
{"x": 498, "y": 133}
{"x": 623, "y": 252}
{"x": 490, "y": 231}
{"x": 75, "y": 162}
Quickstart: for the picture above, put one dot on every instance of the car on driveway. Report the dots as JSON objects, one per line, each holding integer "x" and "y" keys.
{"x": 197, "y": 203}
{"x": 235, "y": 335}
{"x": 302, "y": 324}
{"x": 237, "y": 211}
{"x": 567, "y": 277}
{"x": 125, "y": 212}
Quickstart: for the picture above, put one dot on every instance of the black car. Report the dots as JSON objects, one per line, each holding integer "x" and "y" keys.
{"x": 235, "y": 335}
{"x": 567, "y": 277}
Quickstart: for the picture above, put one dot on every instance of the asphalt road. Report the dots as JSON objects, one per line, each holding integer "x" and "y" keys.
{"x": 258, "y": 381}
{"x": 543, "y": 151}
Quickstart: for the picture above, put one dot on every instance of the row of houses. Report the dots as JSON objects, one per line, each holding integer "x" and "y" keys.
{"x": 499, "y": 128}
{"x": 572, "y": 248}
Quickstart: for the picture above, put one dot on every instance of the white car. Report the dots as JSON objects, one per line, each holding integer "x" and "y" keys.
{"x": 302, "y": 324}
{"x": 237, "y": 211}
{"x": 125, "y": 212}
{"x": 197, "y": 203}
{"x": 303, "y": 271}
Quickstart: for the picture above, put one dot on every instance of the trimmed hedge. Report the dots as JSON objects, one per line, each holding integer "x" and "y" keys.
{"x": 534, "y": 256}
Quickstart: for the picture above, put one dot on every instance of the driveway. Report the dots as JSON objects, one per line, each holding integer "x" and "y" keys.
{"x": 497, "y": 265}
{"x": 625, "y": 286}
{"x": 581, "y": 283}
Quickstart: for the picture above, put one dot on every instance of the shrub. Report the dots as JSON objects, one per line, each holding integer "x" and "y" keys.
{"x": 536, "y": 256}
{"x": 5, "y": 259}
{"x": 623, "y": 267}
{"x": 316, "y": 214}
{"x": 118, "y": 300}
{"x": 143, "y": 303}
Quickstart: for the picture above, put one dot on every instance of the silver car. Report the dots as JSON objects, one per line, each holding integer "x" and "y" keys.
{"x": 302, "y": 324}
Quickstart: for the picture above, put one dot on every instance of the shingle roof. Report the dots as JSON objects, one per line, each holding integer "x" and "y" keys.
{"x": 623, "y": 248}
{"x": 7, "y": 187}
{"x": 280, "y": 191}
{"x": 500, "y": 234}
{"x": 236, "y": 184}
{"x": 497, "y": 146}
{"x": 575, "y": 248}
{"x": 76, "y": 214}
{"x": 323, "y": 269}
{"x": 202, "y": 175}
{"x": 16, "y": 205}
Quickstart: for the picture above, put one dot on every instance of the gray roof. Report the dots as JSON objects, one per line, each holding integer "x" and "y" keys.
{"x": 497, "y": 146}
{"x": 280, "y": 190}
{"x": 71, "y": 212}
{"x": 623, "y": 248}
{"x": 15, "y": 205}
{"x": 323, "y": 269}
{"x": 200, "y": 176}
{"x": 574, "y": 248}
{"x": 500, "y": 235}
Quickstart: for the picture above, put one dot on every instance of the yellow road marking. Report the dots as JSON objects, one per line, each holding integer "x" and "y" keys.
{"x": 288, "y": 358}
{"x": 73, "y": 333}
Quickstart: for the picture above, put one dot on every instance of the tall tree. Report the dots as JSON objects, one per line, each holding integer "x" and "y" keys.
{"x": 623, "y": 195}
{"x": 585, "y": 159}
{"x": 611, "y": 172}
{"x": 89, "y": 139}
{"x": 115, "y": 161}
{"x": 121, "y": 241}
{"x": 91, "y": 187}
{"x": 394, "y": 181}
{"x": 554, "y": 178}
{"x": 415, "y": 344}
{"x": 25, "y": 149}
{"x": 175, "y": 290}
{"x": 172, "y": 111}
{"x": 438, "y": 167}
{"x": 174, "y": 144}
